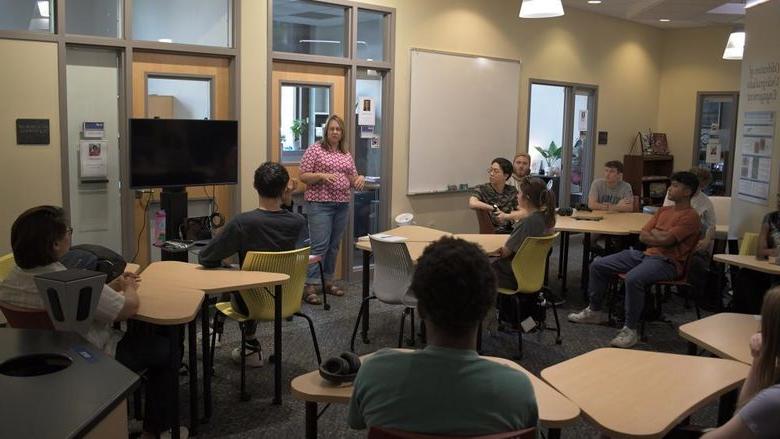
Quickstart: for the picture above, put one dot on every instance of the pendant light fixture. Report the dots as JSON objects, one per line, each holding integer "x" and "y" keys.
{"x": 736, "y": 44}
{"x": 541, "y": 9}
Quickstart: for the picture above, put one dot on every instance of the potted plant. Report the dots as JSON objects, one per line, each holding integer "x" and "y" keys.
{"x": 297, "y": 128}
{"x": 551, "y": 155}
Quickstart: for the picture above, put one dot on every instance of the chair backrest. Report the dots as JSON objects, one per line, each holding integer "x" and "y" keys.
{"x": 70, "y": 297}
{"x": 393, "y": 269}
{"x": 486, "y": 226}
{"x": 293, "y": 263}
{"x": 530, "y": 263}
{"x": 26, "y": 318}
{"x": 389, "y": 433}
{"x": 722, "y": 206}
{"x": 7, "y": 263}
{"x": 749, "y": 244}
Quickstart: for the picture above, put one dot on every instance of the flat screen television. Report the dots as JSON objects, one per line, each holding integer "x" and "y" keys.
{"x": 183, "y": 152}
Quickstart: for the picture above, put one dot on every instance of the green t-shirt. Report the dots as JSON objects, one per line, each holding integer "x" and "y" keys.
{"x": 441, "y": 391}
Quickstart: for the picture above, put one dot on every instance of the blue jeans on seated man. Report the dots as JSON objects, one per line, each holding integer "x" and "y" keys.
{"x": 641, "y": 271}
{"x": 327, "y": 221}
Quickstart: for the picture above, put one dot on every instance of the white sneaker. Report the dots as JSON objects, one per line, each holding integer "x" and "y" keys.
{"x": 626, "y": 338}
{"x": 217, "y": 342}
{"x": 184, "y": 433}
{"x": 588, "y": 316}
{"x": 253, "y": 359}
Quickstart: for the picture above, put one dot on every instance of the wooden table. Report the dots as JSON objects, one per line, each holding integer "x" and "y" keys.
{"x": 611, "y": 223}
{"x": 726, "y": 335}
{"x": 632, "y": 393}
{"x": 555, "y": 411}
{"x": 220, "y": 281}
{"x": 748, "y": 261}
{"x": 172, "y": 306}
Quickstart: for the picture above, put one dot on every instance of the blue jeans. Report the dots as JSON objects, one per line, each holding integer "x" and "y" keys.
{"x": 641, "y": 271}
{"x": 327, "y": 221}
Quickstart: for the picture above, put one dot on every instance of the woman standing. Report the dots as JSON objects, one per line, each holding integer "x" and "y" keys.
{"x": 329, "y": 172}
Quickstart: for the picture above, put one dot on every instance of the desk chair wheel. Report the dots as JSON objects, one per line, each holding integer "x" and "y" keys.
{"x": 272, "y": 359}
{"x": 326, "y": 306}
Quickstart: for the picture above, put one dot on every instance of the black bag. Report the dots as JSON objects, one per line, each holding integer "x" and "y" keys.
{"x": 96, "y": 258}
{"x": 518, "y": 307}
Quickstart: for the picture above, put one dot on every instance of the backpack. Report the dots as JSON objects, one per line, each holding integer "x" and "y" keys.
{"x": 96, "y": 258}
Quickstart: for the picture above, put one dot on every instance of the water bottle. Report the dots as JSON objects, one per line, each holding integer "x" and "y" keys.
{"x": 159, "y": 227}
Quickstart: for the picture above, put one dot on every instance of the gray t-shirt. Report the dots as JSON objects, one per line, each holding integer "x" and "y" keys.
{"x": 760, "y": 413}
{"x": 532, "y": 225}
{"x": 610, "y": 195}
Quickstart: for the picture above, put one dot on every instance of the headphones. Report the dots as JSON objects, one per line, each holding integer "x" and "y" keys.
{"x": 341, "y": 369}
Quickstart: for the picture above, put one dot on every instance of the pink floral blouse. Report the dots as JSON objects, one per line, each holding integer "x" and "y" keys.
{"x": 318, "y": 159}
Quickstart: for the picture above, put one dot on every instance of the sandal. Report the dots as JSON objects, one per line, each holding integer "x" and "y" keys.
{"x": 333, "y": 290}
{"x": 310, "y": 295}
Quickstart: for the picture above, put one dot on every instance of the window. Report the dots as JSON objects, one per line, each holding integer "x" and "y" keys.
{"x": 178, "y": 98}
{"x": 27, "y": 15}
{"x": 309, "y": 27}
{"x": 304, "y": 111}
{"x": 203, "y": 22}
{"x": 371, "y": 35}
{"x": 102, "y": 18}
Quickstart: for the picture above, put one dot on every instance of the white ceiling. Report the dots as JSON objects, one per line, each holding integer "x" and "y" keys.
{"x": 682, "y": 13}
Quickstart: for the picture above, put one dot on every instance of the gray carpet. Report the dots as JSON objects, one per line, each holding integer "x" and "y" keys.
{"x": 258, "y": 418}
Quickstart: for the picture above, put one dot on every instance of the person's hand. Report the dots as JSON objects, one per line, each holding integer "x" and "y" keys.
{"x": 124, "y": 281}
{"x": 702, "y": 246}
{"x": 359, "y": 182}
{"x": 755, "y": 345}
{"x": 503, "y": 217}
{"x": 626, "y": 202}
{"x": 328, "y": 178}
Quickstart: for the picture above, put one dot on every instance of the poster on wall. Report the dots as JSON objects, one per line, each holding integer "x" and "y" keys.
{"x": 93, "y": 160}
{"x": 756, "y": 168}
{"x": 366, "y": 112}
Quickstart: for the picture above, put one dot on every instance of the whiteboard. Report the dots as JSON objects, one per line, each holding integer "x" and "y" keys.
{"x": 463, "y": 114}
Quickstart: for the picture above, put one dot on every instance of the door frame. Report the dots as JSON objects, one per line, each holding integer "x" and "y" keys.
{"x": 570, "y": 90}
{"x": 700, "y": 95}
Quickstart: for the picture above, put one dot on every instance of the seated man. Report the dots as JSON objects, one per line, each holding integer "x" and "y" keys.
{"x": 496, "y": 196}
{"x": 445, "y": 388}
{"x": 39, "y": 238}
{"x": 670, "y": 236}
{"x": 611, "y": 192}
{"x": 521, "y": 168}
{"x": 268, "y": 228}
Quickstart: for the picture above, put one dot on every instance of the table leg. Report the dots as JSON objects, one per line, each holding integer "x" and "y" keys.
{"x": 278, "y": 344}
{"x": 366, "y": 281}
{"x": 726, "y": 406}
{"x": 174, "y": 332}
{"x": 565, "y": 244}
{"x": 206, "y": 350}
{"x": 585, "y": 265}
{"x": 311, "y": 420}
{"x": 553, "y": 433}
{"x": 192, "y": 347}
{"x": 560, "y": 255}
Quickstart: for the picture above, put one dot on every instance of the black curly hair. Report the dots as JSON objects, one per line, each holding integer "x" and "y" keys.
{"x": 454, "y": 285}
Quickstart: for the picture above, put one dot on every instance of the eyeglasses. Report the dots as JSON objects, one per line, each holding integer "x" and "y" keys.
{"x": 493, "y": 171}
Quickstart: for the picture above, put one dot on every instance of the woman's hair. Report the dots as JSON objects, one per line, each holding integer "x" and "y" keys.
{"x": 504, "y": 164}
{"x": 535, "y": 190}
{"x": 342, "y": 146}
{"x": 770, "y": 339}
{"x": 34, "y": 233}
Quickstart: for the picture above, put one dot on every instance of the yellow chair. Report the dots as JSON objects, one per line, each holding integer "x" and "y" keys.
{"x": 7, "y": 263}
{"x": 749, "y": 244}
{"x": 260, "y": 301}
{"x": 529, "y": 266}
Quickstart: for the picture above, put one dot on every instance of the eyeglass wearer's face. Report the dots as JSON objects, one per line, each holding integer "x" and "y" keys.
{"x": 496, "y": 174}
{"x": 334, "y": 133}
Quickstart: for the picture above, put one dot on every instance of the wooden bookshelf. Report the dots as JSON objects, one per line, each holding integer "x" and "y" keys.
{"x": 645, "y": 171}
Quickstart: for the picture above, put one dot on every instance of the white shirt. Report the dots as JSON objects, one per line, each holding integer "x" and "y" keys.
{"x": 19, "y": 289}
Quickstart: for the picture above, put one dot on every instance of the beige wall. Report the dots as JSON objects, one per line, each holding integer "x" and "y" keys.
{"x": 623, "y": 59}
{"x": 692, "y": 62}
{"x": 29, "y": 174}
{"x": 761, "y": 49}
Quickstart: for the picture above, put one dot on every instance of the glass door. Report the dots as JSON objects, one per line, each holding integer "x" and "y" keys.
{"x": 560, "y": 136}
{"x": 713, "y": 148}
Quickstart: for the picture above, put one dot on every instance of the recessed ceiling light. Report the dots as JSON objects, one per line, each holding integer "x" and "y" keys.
{"x": 594, "y": 2}
{"x": 664, "y": 20}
